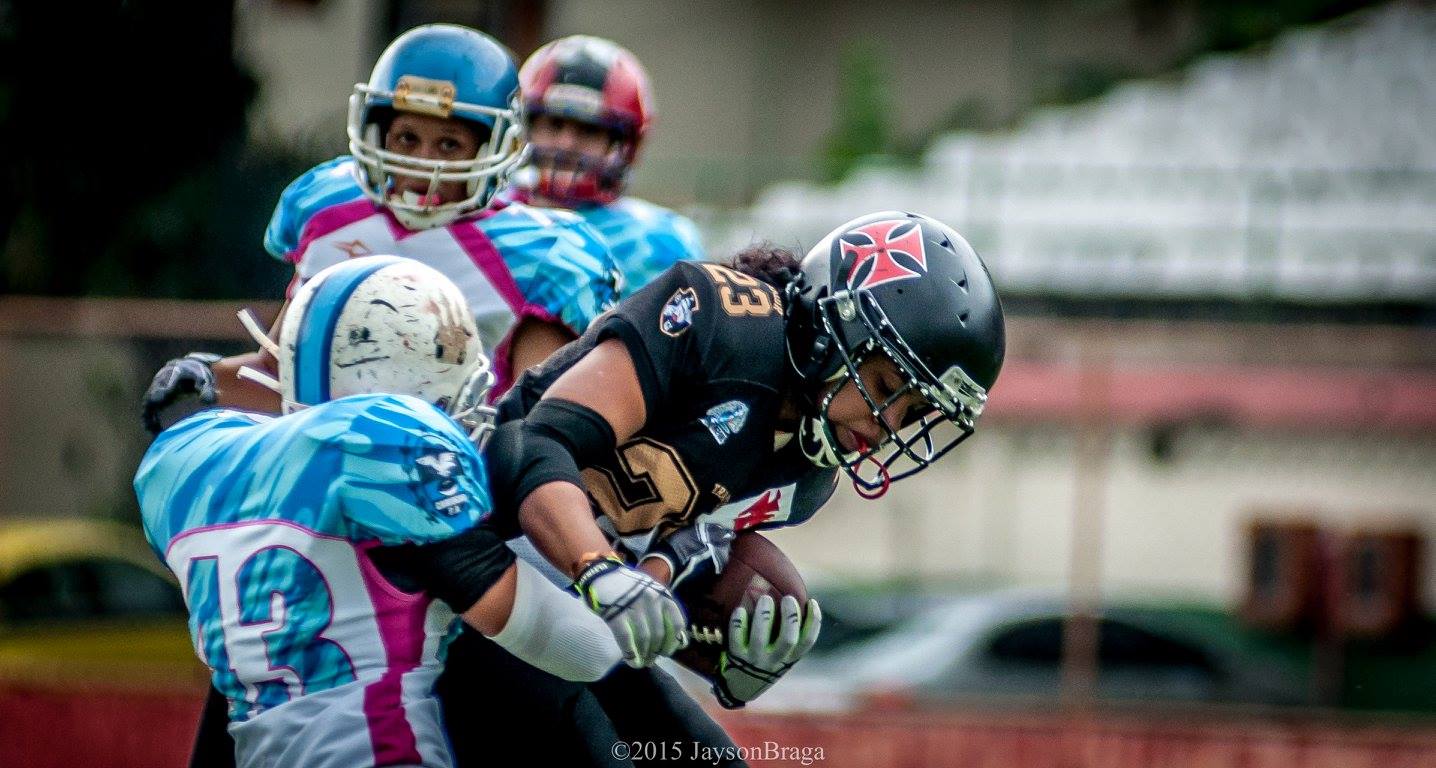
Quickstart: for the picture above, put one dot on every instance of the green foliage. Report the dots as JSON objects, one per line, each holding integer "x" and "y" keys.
{"x": 863, "y": 122}
{"x": 130, "y": 178}
{"x": 1231, "y": 25}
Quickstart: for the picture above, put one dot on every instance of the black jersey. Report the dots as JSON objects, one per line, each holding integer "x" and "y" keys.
{"x": 708, "y": 346}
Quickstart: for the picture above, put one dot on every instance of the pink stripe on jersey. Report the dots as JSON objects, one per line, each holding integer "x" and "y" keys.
{"x": 486, "y": 257}
{"x": 246, "y": 524}
{"x": 339, "y": 216}
{"x": 504, "y": 375}
{"x": 401, "y": 627}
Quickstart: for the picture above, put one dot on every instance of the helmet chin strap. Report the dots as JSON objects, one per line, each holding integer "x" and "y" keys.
{"x": 813, "y": 441}
{"x": 469, "y": 408}
{"x": 251, "y": 325}
{"x": 813, "y": 436}
{"x": 882, "y": 471}
{"x": 810, "y": 347}
{"x": 258, "y": 377}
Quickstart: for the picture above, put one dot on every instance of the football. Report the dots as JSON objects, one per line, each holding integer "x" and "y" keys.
{"x": 755, "y": 567}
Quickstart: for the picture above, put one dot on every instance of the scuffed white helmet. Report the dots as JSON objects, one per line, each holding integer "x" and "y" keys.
{"x": 381, "y": 324}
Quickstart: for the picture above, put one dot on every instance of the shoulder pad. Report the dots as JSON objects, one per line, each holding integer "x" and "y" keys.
{"x": 362, "y": 422}
{"x": 322, "y": 186}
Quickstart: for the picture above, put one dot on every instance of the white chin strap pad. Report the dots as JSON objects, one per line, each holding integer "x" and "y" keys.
{"x": 813, "y": 440}
{"x": 552, "y": 630}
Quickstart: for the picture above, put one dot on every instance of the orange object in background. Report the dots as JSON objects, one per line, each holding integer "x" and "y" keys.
{"x": 1305, "y": 577}
{"x": 1283, "y": 585}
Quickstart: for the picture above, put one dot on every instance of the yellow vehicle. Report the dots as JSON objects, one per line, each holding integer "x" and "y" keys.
{"x": 86, "y": 601}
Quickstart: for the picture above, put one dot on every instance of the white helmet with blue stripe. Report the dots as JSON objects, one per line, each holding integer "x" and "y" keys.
{"x": 381, "y": 324}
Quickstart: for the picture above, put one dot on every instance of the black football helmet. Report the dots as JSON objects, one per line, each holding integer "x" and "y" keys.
{"x": 911, "y": 288}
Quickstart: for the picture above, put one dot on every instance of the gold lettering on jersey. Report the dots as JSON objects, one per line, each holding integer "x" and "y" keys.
{"x": 743, "y": 295}
{"x": 653, "y": 487}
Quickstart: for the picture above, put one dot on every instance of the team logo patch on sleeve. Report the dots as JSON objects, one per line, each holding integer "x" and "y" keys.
{"x": 725, "y": 419}
{"x": 440, "y": 470}
{"x": 678, "y": 312}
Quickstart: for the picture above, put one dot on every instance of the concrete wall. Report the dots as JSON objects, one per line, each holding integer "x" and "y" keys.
{"x": 1002, "y": 507}
{"x": 746, "y": 90}
{"x": 307, "y": 59}
{"x": 70, "y": 437}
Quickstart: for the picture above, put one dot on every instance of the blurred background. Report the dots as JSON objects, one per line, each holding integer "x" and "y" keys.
{"x": 1195, "y": 527}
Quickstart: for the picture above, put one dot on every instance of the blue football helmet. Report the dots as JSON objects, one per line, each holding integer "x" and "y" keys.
{"x": 447, "y": 71}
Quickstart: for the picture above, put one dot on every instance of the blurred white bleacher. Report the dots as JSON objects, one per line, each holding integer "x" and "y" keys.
{"x": 1305, "y": 171}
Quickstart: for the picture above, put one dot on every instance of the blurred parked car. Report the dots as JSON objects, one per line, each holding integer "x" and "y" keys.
{"x": 1007, "y": 647}
{"x": 86, "y": 600}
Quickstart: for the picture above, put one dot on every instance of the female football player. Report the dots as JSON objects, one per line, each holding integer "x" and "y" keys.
{"x": 588, "y": 108}
{"x": 872, "y": 357}
{"x": 433, "y": 135}
{"x": 325, "y": 553}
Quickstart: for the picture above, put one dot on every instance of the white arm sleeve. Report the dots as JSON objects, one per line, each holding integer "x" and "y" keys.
{"x": 553, "y": 631}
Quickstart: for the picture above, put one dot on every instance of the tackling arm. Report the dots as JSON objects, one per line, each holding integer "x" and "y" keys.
{"x": 215, "y": 381}
{"x": 533, "y": 341}
{"x": 236, "y": 392}
{"x": 476, "y": 574}
{"x": 536, "y": 464}
{"x": 529, "y": 617}
{"x": 536, "y": 467}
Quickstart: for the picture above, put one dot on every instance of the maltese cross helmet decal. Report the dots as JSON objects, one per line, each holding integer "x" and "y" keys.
{"x": 876, "y": 261}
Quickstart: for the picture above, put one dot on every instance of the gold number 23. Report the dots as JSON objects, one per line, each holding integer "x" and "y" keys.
{"x": 743, "y": 295}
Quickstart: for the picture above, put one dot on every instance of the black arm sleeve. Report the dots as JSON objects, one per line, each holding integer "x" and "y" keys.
{"x": 550, "y": 443}
{"x": 457, "y": 570}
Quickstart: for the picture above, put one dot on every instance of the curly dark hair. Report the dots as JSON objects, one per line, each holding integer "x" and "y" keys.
{"x": 772, "y": 264}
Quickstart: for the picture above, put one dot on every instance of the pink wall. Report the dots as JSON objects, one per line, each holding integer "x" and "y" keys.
{"x": 42, "y": 728}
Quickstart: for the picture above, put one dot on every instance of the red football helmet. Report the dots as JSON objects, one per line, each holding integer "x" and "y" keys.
{"x": 594, "y": 81}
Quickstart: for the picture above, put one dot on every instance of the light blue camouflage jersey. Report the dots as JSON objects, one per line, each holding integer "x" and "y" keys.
{"x": 510, "y": 260}
{"x": 268, "y": 522}
{"x": 645, "y": 239}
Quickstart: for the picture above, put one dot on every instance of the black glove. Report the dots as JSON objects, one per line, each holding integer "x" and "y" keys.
{"x": 698, "y": 550}
{"x": 177, "y": 379}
